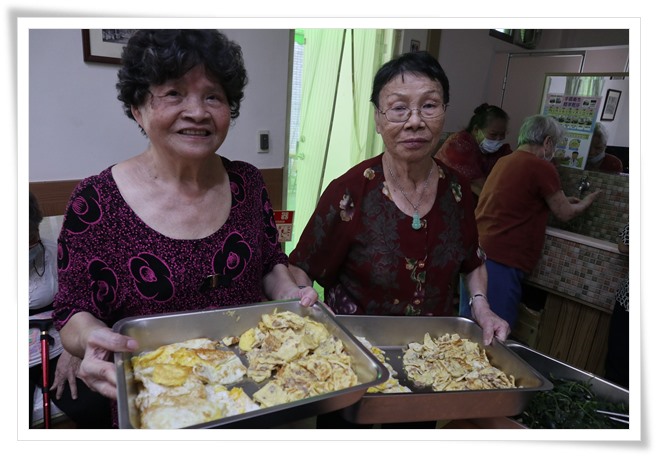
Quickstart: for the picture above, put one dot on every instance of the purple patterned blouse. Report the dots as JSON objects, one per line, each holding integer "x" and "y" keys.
{"x": 112, "y": 265}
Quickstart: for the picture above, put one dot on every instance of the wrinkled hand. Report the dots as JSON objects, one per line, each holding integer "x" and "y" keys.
{"x": 97, "y": 370}
{"x": 66, "y": 372}
{"x": 308, "y": 296}
{"x": 493, "y": 325}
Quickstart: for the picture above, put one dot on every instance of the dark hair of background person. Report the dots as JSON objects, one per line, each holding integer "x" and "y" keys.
{"x": 419, "y": 63}
{"x": 153, "y": 57}
{"x": 484, "y": 115}
{"x": 36, "y": 216}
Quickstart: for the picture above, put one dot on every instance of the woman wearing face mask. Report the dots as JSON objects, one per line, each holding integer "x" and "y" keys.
{"x": 514, "y": 206}
{"x": 475, "y": 150}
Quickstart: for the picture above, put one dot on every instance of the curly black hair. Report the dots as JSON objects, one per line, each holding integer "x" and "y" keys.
{"x": 420, "y": 63}
{"x": 152, "y": 57}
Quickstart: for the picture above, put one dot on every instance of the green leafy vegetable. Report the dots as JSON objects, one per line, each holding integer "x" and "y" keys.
{"x": 571, "y": 404}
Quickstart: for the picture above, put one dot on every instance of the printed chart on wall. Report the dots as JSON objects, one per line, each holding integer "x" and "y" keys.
{"x": 578, "y": 116}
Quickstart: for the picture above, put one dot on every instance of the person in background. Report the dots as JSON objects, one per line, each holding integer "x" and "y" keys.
{"x": 177, "y": 227}
{"x": 598, "y": 159}
{"x": 512, "y": 213}
{"x": 474, "y": 151}
{"x": 617, "y": 359}
{"x": 390, "y": 235}
{"x": 88, "y": 410}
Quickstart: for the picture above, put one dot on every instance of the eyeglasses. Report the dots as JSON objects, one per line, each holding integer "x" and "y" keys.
{"x": 402, "y": 114}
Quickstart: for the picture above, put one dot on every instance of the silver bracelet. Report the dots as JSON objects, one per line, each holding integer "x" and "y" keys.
{"x": 477, "y": 295}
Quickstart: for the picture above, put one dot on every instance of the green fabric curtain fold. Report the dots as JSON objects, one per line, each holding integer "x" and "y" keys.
{"x": 337, "y": 127}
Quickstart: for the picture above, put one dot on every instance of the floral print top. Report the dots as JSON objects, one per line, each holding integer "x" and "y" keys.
{"x": 113, "y": 265}
{"x": 362, "y": 249}
{"x": 462, "y": 153}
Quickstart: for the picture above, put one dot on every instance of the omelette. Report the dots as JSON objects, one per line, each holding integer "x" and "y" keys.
{"x": 451, "y": 363}
{"x": 298, "y": 356}
{"x": 183, "y": 384}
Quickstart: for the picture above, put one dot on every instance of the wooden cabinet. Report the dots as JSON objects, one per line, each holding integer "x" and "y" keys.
{"x": 574, "y": 333}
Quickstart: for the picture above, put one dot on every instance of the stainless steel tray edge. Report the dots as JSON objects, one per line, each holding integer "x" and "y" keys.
{"x": 393, "y": 332}
{"x": 155, "y": 330}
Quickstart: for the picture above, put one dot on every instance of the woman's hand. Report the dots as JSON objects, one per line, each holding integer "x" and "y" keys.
{"x": 281, "y": 284}
{"x": 308, "y": 296}
{"x": 493, "y": 325}
{"x": 66, "y": 372}
{"x": 96, "y": 369}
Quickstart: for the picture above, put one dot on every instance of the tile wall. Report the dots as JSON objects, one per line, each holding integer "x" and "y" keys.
{"x": 588, "y": 274}
{"x": 608, "y": 214}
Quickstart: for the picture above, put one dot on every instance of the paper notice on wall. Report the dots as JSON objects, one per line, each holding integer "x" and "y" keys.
{"x": 284, "y": 223}
{"x": 577, "y": 115}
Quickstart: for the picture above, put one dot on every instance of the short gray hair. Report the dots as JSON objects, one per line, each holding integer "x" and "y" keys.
{"x": 535, "y": 130}
{"x": 601, "y": 131}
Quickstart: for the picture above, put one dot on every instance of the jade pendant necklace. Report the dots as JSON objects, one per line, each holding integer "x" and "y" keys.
{"x": 416, "y": 222}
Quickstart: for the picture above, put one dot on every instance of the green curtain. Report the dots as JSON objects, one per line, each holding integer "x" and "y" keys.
{"x": 336, "y": 128}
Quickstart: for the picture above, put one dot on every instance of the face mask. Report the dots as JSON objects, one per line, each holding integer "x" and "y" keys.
{"x": 490, "y": 146}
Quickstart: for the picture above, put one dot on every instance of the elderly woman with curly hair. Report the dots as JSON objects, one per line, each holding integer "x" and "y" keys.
{"x": 176, "y": 227}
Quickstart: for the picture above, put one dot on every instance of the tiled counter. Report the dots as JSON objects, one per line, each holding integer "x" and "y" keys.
{"x": 580, "y": 275}
{"x": 580, "y": 268}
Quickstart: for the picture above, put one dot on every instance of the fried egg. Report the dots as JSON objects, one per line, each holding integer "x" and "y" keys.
{"x": 182, "y": 384}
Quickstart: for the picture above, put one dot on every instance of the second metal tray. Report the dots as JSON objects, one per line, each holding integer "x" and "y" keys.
{"x": 392, "y": 334}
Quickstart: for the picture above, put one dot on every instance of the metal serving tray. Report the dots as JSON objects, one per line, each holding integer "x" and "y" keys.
{"x": 393, "y": 334}
{"x": 548, "y": 367}
{"x": 154, "y": 331}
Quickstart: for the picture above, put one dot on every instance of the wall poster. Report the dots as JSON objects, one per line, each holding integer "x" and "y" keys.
{"x": 578, "y": 115}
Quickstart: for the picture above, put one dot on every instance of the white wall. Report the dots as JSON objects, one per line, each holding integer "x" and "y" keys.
{"x": 466, "y": 56}
{"x": 77, "y": 126}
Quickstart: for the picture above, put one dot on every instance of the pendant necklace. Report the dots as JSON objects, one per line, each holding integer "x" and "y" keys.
{"x": 416, "y": 222}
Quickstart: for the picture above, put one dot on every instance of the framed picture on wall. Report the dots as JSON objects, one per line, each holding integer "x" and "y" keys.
{"x": 414, "y": 45}
{"x": 610, "y": 105}
{"x": 104, "y": 45}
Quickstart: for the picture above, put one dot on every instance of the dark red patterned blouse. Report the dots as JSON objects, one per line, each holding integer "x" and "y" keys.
{"x": 362, "y": 249}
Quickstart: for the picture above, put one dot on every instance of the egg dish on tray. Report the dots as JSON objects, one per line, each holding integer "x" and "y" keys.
{"x": 451, "y": 363}
{"x": 188, "y": 383}
{"x": 182, "y": 384}
{"x": 299, "y": 355}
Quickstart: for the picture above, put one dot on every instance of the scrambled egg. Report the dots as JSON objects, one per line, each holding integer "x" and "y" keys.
{"x": 299, "y": 355}
{"x": 452, "y": 363}
{"x": 182, "y": 384}
{"x": 391, "y": 385}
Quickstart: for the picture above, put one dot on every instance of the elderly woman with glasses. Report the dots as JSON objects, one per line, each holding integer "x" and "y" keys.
{"x": 390, "y": 236}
